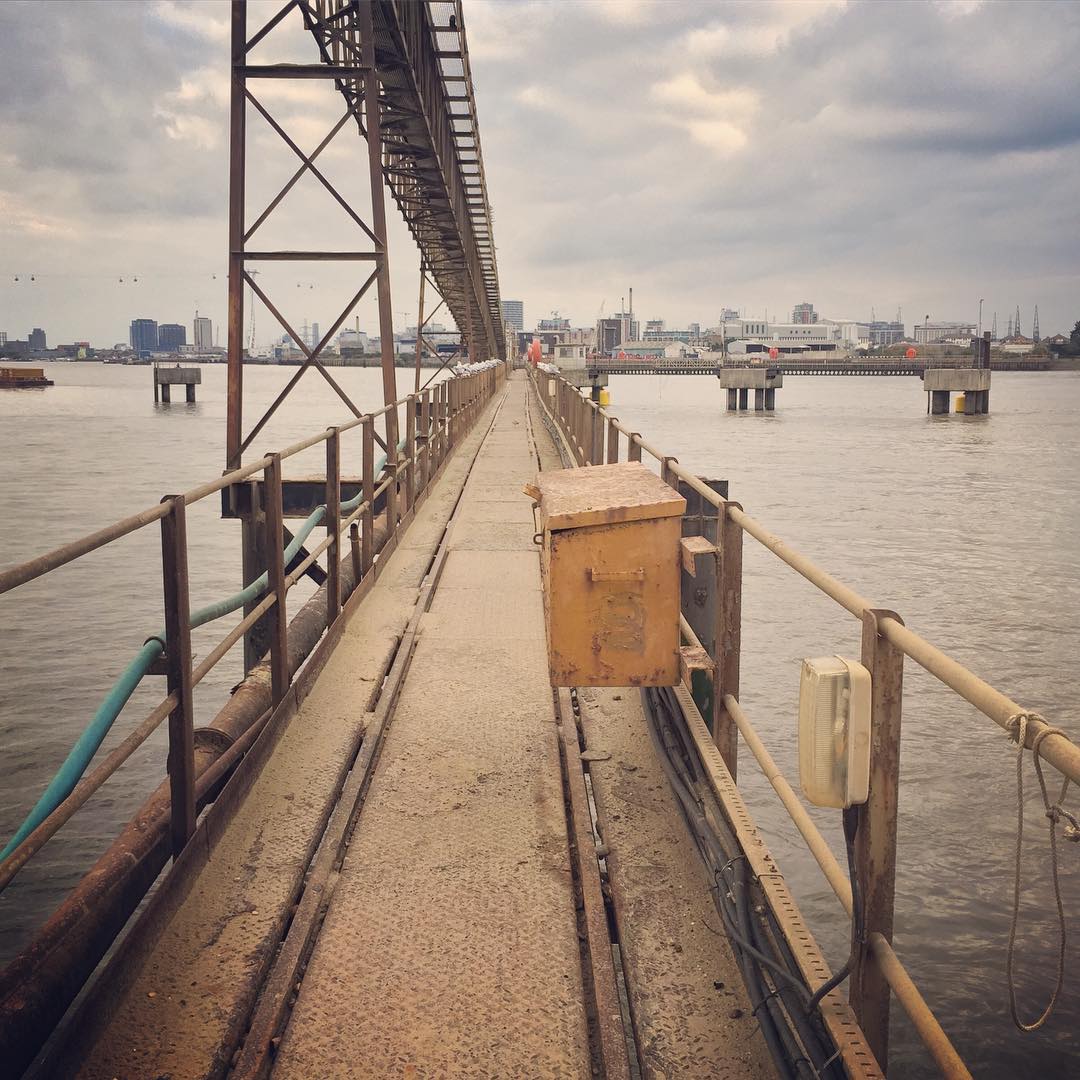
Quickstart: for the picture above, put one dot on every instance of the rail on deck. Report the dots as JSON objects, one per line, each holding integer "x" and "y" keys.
{"x": 595, "y": 437}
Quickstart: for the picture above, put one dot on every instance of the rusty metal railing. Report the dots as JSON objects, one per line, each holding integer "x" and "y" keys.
{"x": 595, "y": 437}
{"x": 435, "y": 420}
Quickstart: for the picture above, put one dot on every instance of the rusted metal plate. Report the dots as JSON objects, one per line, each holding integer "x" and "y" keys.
{"x": 604, "y": 495}
{"x": 612, "y": 603}
{"x": 600, "y": 968}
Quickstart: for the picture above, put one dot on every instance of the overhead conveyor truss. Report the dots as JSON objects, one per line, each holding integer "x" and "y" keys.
{"x": 432, "y": 160}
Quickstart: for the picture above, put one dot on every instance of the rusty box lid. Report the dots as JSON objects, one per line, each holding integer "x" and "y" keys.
{"x": 603, "y": 495}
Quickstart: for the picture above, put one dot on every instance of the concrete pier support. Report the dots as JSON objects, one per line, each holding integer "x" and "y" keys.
{"x": 739, "y": 381}
{"x": 166, "y": 377}
{"x": 973, "y": 383}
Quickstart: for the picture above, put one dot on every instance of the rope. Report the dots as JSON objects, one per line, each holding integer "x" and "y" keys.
{"x": 1017, "y": 726}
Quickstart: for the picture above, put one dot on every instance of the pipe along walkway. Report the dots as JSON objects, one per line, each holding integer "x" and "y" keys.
{"x": 414, "y": 883}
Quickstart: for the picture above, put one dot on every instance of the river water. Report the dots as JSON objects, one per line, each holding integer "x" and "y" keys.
{"x": 967, "y": 526}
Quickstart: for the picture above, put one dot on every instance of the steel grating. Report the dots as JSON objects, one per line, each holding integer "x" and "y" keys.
{"x": 432, "y": 160}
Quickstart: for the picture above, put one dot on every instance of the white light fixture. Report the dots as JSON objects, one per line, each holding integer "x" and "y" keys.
{"x": 834, "y": 731}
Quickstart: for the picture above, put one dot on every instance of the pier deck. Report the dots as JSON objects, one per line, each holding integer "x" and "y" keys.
{"x": 457, "y": 934}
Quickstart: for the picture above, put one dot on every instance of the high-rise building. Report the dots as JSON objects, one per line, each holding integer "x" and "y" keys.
{"x": 204, "y": 333}
{"x": 144, "y": 335}
{"x": 171, "y": 336}
{"x": 653, "y": 326}
{"x": 885, "y": 333}
{"x": 804, "y": 314}
{"x": 3, "y": 337}
{"x": 37, "y": 338}
{"x": 513, "y": 312}
{"x": 314, "y": 335}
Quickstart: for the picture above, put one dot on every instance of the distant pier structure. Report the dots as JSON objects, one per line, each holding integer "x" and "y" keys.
{"x": 972, "y": 382}
{"x": 739, "y": 381}
{"x": 167, "y": 376}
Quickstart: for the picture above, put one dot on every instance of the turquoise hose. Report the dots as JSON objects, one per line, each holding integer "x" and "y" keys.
{"x": 86, "y": 746}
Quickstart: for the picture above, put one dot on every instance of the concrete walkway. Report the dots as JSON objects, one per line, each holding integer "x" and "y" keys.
{"x": 451, "y": 945}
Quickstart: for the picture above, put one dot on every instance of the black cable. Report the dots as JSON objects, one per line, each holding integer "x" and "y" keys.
{"x": 728, "y": 900}
{"x": 851, "y": 827}
{"x": 787, "y": 1003}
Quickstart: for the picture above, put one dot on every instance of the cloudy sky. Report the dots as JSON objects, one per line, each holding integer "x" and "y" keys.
{"x": 863, "y": 156}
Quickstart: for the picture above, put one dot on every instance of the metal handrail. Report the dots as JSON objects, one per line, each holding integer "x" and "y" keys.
{"x": 454, "y": 401}
{"x": 582, "y": 424}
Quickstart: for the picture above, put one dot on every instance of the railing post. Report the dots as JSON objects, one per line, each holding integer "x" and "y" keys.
{"x": 253, "y": 565}
{"x": 875, "y": 841}
{"x": 410, "y": 451}
{"x": 666, "y": 473}
{"x": 391, "y": 419}
{"x": 367, "y": 551}
{"x": 633, "y": 450}
{"x": 275, "y": 565}
{"x": 181, "y": 759}
{"x": 612, "y": 441}
{"x": 596, "y": 455}
{"x": 333, "y": 525}
{"x": 729, "y": 540}
{"x": 579, "y": 427}
{"x": 425, "y": 439}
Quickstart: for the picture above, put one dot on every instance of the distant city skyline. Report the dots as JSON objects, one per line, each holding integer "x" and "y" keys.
{"x": 761, "y": 155}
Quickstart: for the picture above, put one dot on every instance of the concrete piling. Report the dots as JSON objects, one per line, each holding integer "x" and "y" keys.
{"x": 166, "y": 377}
{"x": 738, "y": 382}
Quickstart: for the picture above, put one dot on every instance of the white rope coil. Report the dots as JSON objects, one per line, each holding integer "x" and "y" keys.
{"x": 1017, "y": 727}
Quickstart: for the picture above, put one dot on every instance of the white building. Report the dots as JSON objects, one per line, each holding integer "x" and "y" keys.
{"x": 950, "y": 332}
{"x": 850, "y": 333}
{"x": 569, "y": 353}
{"x": 203, "y": 337}
{"x": 353, "y": 339}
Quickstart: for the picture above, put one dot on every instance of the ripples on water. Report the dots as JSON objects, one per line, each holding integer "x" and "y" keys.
{"x": 966, "y": 526}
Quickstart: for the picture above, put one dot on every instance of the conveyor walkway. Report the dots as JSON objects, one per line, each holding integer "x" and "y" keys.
{"x": 455, "y": 940}
{"x": 451, "y": 944}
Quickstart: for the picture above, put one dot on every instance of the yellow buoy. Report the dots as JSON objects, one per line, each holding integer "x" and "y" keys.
{"x": 959, "y": 406}
{"x": 605, "y": 396}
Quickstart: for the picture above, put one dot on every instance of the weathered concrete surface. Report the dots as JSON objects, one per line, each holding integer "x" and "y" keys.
{"x": 450, "y": 947}
{"x": 956, "y": 379}
{"x": 691, "y": 1014}
{"x": 175, "y": 1017}
{"x": 177, "y": 376}
{"x": 750, "y": 378}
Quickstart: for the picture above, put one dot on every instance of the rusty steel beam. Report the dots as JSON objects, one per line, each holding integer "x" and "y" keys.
{"x": 237, "y": 186}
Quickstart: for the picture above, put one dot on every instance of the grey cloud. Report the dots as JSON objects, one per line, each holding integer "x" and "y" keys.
{"x": 879, "y": 150}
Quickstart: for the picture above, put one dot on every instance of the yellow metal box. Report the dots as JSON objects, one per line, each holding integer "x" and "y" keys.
{"x": 611, "y": 568}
